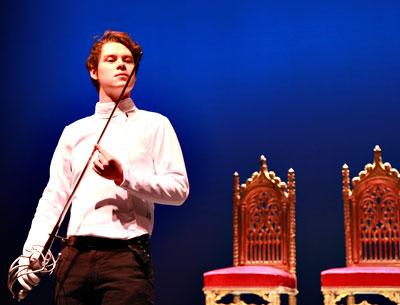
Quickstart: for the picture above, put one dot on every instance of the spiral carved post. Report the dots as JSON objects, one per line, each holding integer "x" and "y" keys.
{"x": 292, "y": 228}
{"x": 292, "y": 216}
{"x": 241, "y": 210}
{"x": 346, "y": 200}
{"x": 236, "y": 197}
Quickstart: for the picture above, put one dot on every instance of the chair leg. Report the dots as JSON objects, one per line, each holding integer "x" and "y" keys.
{"x": 236, "y": 299}
{"x": 274, "y": 299}
{"x": 210, "y": 297}
{"x": 393, "y": 296}
{"x": 292, "y": 300}
{"x": 329, "y": 298}
{"x": 351, "y": 300}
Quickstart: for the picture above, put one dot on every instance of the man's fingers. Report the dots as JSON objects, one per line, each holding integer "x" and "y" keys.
{"x": 33, "y": 279}
{"x": 102, "y": 151}
{"x": 97, "y": 171}
{"x": 107, "y": 166}
{"x": 97, "y": 165}
{"x": 24, "y": 284}
{"x": 102, "y": 159}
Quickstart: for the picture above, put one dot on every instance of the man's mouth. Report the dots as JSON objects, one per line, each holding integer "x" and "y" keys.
{"x": 122, "y": 74}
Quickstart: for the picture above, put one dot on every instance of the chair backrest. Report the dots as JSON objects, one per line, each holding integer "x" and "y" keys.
{"x": 372, "y": 214}
{"x": 264, "y": 220}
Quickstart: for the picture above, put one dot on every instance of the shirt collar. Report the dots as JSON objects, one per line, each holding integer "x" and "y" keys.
{"x": 103, "y": 109}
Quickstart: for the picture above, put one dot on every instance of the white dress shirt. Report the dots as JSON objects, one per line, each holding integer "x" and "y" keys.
{"x": 154, "y": 171}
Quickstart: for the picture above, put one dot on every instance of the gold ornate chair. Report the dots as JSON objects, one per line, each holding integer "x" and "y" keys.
{"x": 264, "y": 253}
{"x": 372, "y": 232}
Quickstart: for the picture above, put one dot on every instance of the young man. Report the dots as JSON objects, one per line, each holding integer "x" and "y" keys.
{"x": 138, "y": 162}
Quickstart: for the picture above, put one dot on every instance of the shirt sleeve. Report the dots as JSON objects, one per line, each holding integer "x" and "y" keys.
{"x": 169, "y": 183}
{"x": 54, "y": 196}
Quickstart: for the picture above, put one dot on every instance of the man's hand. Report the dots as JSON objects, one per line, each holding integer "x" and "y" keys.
{"x": 107, "y": 166}
{"x": 28, "y": 279}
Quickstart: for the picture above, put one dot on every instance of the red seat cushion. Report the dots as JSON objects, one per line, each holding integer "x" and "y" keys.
{"x": 249, "y": 276}
{"x": 361, "y": 277}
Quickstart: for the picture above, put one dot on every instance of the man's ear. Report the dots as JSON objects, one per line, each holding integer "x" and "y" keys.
{"x": 93, "y": 74}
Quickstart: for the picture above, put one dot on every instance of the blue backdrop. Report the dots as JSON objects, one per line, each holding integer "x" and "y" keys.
{"x": 310, "y": 84}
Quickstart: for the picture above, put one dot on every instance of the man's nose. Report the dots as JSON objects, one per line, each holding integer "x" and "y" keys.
{"x": 121, "y": 65}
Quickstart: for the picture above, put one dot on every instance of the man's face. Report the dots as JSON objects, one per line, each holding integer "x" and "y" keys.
{"x": 115, "y": 65}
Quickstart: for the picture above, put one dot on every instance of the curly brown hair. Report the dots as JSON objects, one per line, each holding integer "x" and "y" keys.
{"x": 112, "y": 36}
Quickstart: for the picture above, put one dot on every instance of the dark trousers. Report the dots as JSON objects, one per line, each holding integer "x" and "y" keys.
{"x": 94, "y": 271}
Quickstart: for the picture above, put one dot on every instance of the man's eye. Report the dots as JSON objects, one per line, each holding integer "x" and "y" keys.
{"x": 110, "y": 59}
{"x": 128, "y": 60}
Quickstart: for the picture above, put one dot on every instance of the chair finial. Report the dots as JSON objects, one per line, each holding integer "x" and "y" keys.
{"x": 291, "y": 179}
{"x": 291, "y": 174}
{"x": 346, "y": 178}
{"x": 236, "y": 184}
{"x": 263, "y": 162}
{"x": 378, "y": 156}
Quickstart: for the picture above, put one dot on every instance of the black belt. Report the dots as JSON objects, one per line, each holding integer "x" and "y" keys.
{"x": 94, "y": 242}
